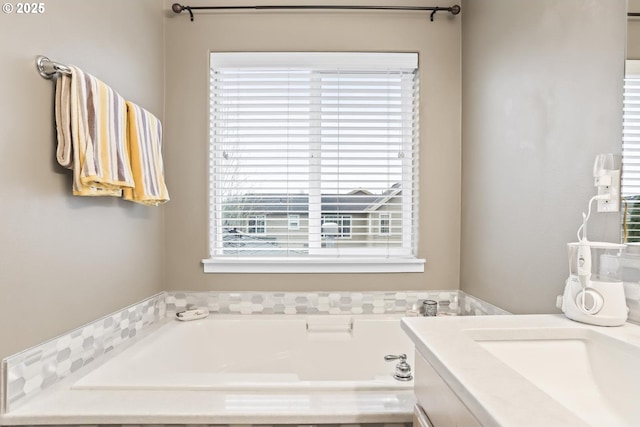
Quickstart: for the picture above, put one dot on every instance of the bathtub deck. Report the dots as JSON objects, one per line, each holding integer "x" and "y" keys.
{"x": 191, "y": 407}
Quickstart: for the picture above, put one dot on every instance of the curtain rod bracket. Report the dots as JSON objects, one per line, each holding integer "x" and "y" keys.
{"x": 178, "y": 8}
{"x": 453, "y": 10}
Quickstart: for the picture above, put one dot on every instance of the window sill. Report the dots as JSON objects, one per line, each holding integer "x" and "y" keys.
{"x": 314, "y": 265}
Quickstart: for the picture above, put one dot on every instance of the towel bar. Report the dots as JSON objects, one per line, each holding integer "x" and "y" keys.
{"x": 48, "y": 68}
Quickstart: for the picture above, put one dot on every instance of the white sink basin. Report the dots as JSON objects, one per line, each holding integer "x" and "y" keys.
{"x": 593, "y": 375}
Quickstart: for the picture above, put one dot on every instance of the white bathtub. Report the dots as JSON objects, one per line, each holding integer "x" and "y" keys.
{"x": 262, "y": 352}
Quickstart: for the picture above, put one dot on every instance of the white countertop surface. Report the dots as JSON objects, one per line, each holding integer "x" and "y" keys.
{"x": 497, "y": 395}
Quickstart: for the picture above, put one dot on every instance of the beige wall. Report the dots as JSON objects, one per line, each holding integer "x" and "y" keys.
{"x": 542, "y": 95}
{"x": 188, "y": 46}
{"x": 66, "y": 260}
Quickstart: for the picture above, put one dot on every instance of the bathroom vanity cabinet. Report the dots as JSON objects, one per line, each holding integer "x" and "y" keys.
{"x": 438, "y": 405}
{"x": 420, "y": 419}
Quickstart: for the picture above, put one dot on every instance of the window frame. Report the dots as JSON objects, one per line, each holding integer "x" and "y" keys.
{"x": 321, "y": 259}
{"x": 630, "y": 205}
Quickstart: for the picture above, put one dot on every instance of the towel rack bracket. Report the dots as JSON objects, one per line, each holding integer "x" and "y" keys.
{"x": 48, "y": 68}
{"x": 43, "y": 64}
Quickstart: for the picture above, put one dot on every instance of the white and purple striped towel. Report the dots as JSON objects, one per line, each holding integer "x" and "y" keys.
{"x": 145, "y": 149}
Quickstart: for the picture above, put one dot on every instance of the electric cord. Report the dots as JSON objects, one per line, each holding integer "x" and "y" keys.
{"x": 582, "y": 296}
{"x": 585, "y": 218}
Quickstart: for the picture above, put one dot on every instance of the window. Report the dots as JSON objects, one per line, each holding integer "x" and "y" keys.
{"x": 294, "y": 222}
{"x": 257, "y": 224}
{"x": 336, "y": 226}
{"x": 630, "y": 187}
{"x": 309, "y": 148}
{"x": 385, "y": 228}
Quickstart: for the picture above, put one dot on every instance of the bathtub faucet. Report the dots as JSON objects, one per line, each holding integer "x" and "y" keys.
{"x": 403, "y": 369}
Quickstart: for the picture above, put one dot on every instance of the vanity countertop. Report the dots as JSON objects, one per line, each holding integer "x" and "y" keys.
{"x": 493, "y": 387}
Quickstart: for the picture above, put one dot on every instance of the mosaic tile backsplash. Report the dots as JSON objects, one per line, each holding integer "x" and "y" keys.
{"x": 35, "y": 369}
{"x": 318, "y": 302}
{"x": 39, "y": 367}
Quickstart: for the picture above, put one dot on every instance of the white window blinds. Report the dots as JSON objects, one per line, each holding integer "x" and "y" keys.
{"x": 631, "y": 153}
{"x": 330, "y": 139}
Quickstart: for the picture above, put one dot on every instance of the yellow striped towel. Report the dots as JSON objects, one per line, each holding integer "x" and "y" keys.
{"x": 64, "y": 154}
{"x": 145, "y": 149}
{"x": 92, "y": 138}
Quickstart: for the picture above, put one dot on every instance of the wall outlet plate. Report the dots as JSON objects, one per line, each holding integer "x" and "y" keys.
{"x": 613, "y": 190}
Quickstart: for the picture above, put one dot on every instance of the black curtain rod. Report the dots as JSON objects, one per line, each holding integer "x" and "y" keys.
{"x": 633, "y": 14}
{"x": 454, "y": 10}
